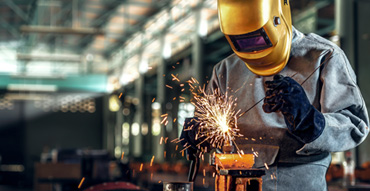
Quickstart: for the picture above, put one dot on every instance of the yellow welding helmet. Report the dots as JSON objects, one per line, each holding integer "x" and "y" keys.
{"x": 259, "y": 32}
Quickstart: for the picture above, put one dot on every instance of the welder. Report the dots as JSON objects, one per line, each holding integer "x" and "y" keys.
{"x": 311, "y": 106}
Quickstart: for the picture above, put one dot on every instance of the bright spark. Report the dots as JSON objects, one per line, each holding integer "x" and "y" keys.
{"x": 141, "y": 167}
{"x": 151, "y": 161}
{"x": 82, "y": 181}
{"x": 216, "y": 114}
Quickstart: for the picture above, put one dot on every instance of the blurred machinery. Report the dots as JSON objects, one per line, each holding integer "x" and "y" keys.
{"x": 235, "y": 172}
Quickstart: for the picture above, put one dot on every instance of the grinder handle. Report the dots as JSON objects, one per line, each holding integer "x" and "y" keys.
{"x": 193, "y": 170}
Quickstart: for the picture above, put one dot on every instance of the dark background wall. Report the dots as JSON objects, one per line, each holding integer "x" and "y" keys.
{"x": 26, "y": 131}
{"x": 362, "y": 52}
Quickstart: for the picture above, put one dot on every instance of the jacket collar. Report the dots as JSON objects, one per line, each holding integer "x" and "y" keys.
{"x": 297, "y": 35}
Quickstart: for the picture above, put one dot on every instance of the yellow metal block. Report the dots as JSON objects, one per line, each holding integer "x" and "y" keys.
{"x": 234, "y": 161}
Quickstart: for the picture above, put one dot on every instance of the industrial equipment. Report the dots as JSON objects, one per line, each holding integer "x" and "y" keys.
{"x": 235, "y": 171}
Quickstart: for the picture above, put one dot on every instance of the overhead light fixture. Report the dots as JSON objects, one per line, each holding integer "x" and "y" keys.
{"x": 203, "y": 24}
{"x": 26, "y": 96}
{"x": 135, "y": 129}
{"x": 167, "y": 49}
{"x": 50, "y": 57}
{"x": 144, "y": 129}
{"x": 125, "y": 133}
{"x": 32, "y": 87}
{"x": 38, "y": 76}
{"x": 12, "y": 168}
{"x": 114, "y": 103}
{"x": 144, "y": 66}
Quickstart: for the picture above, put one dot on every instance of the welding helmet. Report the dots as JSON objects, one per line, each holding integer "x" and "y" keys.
{"x": 259, "y": 32}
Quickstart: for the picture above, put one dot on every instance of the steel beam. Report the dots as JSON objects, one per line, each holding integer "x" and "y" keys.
{"x": 131, "y": 16}
{"x": 61, "y": 30}
{"x": 18, "y": 2}
{"x": 50, "y": 57}
{"x": 132, "y": 29}
{"x": 17, "y": 10}
{"x": 59, "y": 16}
{"x": 153, "y": 4}
{"x": 9, "y": 27}
{"x": 100, "y": 22}
{"x": 140, "y": 26}
{"x": 91, "y": 82}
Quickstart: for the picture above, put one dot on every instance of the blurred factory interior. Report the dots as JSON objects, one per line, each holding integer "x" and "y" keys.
{"x": 92, "y": 88}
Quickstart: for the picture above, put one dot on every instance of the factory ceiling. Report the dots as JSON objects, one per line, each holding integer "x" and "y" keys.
{"x": 80, "y": 25}
{"x": 71, "y": 27}
{"x": 54, "y": 39}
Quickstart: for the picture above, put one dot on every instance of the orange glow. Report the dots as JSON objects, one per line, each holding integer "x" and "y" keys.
{"x": 175, "y": 78}
{"x": 82, "y": 181}
{"x": 141, "y": 166}
{"x": 234, "y": 161}
{"x": 151, "y": 161}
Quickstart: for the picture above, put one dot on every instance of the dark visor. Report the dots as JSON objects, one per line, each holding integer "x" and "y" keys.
{"x": 250, "y": 42}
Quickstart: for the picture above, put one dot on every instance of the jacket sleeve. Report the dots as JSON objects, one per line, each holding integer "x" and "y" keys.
{"x": 346, "y": 117}
{"x": 214, "y": 83}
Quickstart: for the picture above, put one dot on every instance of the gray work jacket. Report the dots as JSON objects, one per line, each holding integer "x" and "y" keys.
{"x": 332, "y": 89}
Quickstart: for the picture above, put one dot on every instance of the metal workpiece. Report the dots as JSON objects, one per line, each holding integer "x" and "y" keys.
{"x": 244, "y": 173}
{"x": 233, "y": 183}
{"x": 177, "y": 186}
{"x": 228, "y": 149}
{"x": 233, "y": 161}
{"x": 235, "y": 173}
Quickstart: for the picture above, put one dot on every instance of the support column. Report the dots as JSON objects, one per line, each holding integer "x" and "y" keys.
{"x": 362, "y": 57}
{"x": 161, "y": 99}
{"x": 344, "y": 27}
{"x": 118, "y": 133}
{"x": 108, "y": 127}
{"x": 139, "y": 118}
{"x": 344, "y": 24}
{"x": 352, "y": 27}
{"x": 197, "y": 50}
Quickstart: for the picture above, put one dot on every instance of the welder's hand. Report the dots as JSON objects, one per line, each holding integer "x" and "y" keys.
{"x": 190, "y": 139}
{"x": 287, "y": 96}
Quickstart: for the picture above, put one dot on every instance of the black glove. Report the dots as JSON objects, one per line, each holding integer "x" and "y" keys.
{"x": 188, "y": 138}
{"x": 303, "y": 120}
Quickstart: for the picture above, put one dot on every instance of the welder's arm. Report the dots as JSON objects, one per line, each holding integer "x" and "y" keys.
{"x": 191, "y": 141}
{"x": 346, "y": 117}
{"x": 287, "y": 96}
{"x": 342, "y": 122}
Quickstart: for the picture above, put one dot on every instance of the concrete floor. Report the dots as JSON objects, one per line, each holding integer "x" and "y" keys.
{"x": 9, "y": 188}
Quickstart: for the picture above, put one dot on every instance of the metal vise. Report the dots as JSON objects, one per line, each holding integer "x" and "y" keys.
{"x": 235, "y": 173}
